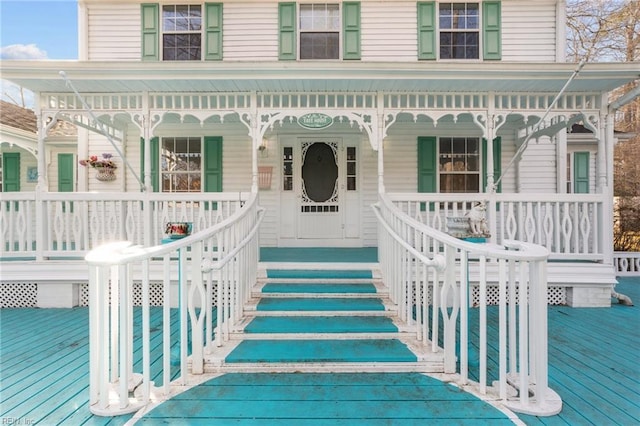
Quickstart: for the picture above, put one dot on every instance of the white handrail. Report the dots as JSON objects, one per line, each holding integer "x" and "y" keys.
{"x": 195, "y": 264}
{"x": 430, "y": 275}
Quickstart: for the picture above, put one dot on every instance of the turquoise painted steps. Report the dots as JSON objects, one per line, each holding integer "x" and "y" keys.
{"x": 321, "y": 351}
{"x": 325, "y": 399}
{"x": 322, "y": 324}
{"x": 320, "y": 304}
{"x": 321, "y": 288}
{"x": 320, "y": 273}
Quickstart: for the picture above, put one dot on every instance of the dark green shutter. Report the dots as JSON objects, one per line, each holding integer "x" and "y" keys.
{"x": 213, "y": 164}
{"x": 497, "y": 163}
{"x": 155, "y": 164}
{"x": 66, "y": 172}
{"x": 11, "y": 172}
{"x": 213, "y": 31}
{"x": 581, "y": 172}
{"x": 150, "y": 13}
{"x": 351, "y": 30}
{"x": 427, "y": 166}
{"x": 427, "y": 30}
{"x": 491, "y": 27}
{"x": 287, "y": 31}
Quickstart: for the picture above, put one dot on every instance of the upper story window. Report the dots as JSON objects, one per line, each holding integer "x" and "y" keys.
{"x": 181, "y": 33}
{"x": 319, "y": 31}
{"x": 459, "y": 30}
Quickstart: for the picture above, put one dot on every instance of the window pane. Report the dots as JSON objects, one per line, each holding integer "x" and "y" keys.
{"x": 319, "y": 46}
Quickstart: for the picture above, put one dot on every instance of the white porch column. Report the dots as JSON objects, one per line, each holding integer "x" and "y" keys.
{"x": 605, "y": 158}
{"x": 380, "y": 143}
{"x": 146, "y": 179}
{"x": 42, "y": 185}
{"x": 561, "y": 161}
{"x": 256, "y": 136}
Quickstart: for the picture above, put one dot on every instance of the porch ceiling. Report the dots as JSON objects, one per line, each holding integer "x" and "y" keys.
{"x": 123, "y": 77}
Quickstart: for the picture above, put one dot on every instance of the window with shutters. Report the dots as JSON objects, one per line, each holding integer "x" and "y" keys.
{"x": 459, "y": 30}
{"x": 182, "y": 32}
{"x": 181, "y": 164}
{"x": 319, "y": 26}
{"x": 459, "y": 164}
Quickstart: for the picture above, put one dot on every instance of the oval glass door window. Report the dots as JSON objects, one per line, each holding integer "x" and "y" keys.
{"x": 319, "y": 172}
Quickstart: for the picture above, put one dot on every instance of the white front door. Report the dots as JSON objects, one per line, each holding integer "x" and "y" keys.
{"x": 320, "y": 201}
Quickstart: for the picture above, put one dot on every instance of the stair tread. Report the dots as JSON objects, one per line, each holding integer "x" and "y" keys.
{"x": 285, "y": 351}
{"x": 318, "y": 288}
{"x": 321, "y": 273}
{"x": 322, "y": 324}
{"x": 320, "y": 304}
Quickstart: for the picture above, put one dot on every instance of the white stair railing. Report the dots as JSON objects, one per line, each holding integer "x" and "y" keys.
{"x": 216, "y": 256}
{"x": 428, "y": 274}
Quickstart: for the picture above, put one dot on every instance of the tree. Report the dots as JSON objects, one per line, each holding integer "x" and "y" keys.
{"x": 604, "y": 31}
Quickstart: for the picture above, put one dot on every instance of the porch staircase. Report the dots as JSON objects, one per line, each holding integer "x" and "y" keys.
{"x": 314, "y": 318}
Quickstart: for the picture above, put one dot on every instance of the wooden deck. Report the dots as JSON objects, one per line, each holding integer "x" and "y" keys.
{"x": 593, "y": 356}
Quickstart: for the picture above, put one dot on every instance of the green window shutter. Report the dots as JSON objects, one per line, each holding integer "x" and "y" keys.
{"x": 11, "y": 172}
{"x": 427, "y": 30}
{"x": 213, "y": 31}
{"x": 212, "y": 164}
{"x": 65, "y": 172}
{"x": 351, "y": 30}
{"x": 491, "y": 30}
{"x": 427, "y": 167}
{"x": 155, "y": 164}
{"x": 581, "y": 172}
{"x": 150, "y": 13}
{"x": 287, "y": 31}
{"x": 497, "y": 160}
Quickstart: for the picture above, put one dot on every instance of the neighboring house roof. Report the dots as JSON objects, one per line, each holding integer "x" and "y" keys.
{"x": 17, "y": 117}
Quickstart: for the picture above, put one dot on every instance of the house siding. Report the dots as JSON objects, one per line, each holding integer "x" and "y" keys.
{"x": 388, "y": 30}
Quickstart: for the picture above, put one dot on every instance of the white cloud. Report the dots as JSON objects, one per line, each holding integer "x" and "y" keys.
{"x": 22, "y": 51}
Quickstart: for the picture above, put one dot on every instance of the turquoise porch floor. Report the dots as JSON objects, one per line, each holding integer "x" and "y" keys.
{"x": 322, "y": 254}
{"x": 593, "y": 356}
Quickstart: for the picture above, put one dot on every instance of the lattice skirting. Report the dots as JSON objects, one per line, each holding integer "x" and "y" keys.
{"x": 555, "y": 296}
{"x": 155, "y": 294}
{"x": 18, "y": 295}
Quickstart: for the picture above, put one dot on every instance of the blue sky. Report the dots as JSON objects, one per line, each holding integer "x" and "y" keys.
{"x": 38, "y": 29}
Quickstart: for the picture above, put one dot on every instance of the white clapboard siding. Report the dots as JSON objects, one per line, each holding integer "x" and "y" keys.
{"x": 537, "y": 168}
{"x": 114, "y": 32}
{"x": 529, "y": 30}
{"x": 250, "y": 31}
{"x": 388, "y": 31}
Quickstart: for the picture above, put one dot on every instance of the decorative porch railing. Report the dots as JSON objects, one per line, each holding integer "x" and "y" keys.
{"x": 62, "y": 225}
{"x": 214, "y": 266}
{"x": 627, "y": 263}
{"x": 568, "y": 225}
{"x": 428, "y": 274}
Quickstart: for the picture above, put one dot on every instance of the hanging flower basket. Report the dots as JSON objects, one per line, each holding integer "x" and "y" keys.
{"x": 105, "y": 174}
{"x": 105, "y": 167}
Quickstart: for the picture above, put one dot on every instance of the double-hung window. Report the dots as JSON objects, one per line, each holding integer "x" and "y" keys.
{"x": 181, "y": 164}
{"x": 182, "y": 32}
{"x": 459, "y": 164}
{"x": 319, "y": 31}
{"x": 459, "y": 30}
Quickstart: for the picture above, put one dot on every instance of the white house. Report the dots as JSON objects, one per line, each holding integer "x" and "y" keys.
{"x": 304, "y": 124}
{"x": 320, "y": 108}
